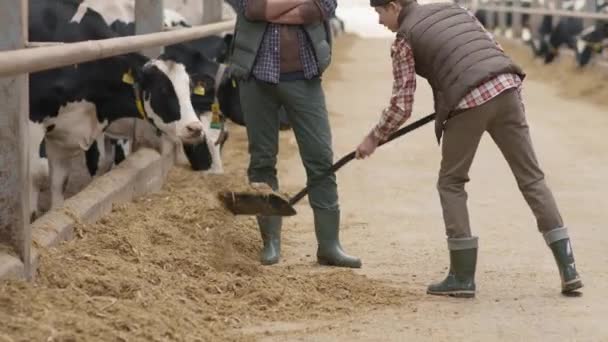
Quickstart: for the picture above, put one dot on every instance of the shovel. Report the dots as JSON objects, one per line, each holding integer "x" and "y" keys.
{"x": 273, "y": 204}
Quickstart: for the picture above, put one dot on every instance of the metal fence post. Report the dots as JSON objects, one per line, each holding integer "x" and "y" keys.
{"x": 490, "y": 15}
{"x": 558, "y": 6}
{"x": 502, "y": 17}
{"x": 590, "y": 6}
{"x": 212, "y": 11}
{"x": 516, "y": 20}
{"x": 148, "y": 19}
{"x": 15, "y": 228}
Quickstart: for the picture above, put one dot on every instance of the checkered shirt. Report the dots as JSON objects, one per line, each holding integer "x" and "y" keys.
{"x": 404, "y": 87}
{"x": 267, "y": 66}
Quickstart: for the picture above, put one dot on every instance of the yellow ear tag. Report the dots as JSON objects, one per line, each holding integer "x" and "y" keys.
{"x": 199, "y": 90}
{"x": 215, "y": 108}
{"x": 233, "y": 83}
{"x": 215, "y": 116}
{"x": 598, "y": 47}
{"x": 127, "y": 77}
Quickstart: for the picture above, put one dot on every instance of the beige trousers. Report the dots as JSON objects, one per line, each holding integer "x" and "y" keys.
{"x": 504, "y": 119}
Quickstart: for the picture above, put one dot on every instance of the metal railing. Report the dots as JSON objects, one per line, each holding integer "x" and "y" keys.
{"x": 17, "y": 58}
{"x": 517, "y": 11}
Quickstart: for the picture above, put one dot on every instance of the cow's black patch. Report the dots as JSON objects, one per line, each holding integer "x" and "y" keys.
{"x": 198, "y": 155}
{"x": 158, "y": 89}
{"x": 92, "y": 157}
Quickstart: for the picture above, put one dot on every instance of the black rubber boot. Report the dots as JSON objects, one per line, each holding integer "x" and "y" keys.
{"x": 559, "y": 242}
{"x": 460, "y": 281}
{"x": 329, "y": 252}
{"x": 562, "y": 251}
{"x": 270, "y": 227}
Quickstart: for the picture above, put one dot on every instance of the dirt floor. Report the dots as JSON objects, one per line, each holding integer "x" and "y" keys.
{"x": 174, "y": 266}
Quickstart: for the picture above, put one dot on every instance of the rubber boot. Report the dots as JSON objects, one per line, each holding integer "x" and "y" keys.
{"x": 559, "y": 242}
{"x": 460, "y": 281}
{"x": 270, "y": 227}
{"x": 329, "y": 251}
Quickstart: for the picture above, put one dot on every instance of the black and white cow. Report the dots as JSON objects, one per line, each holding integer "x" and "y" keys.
{"x": 571, "y": 33}
{"x": 564, "y": 34}
{"x": 72, "y": 106}
{"x": 591, "y": 41}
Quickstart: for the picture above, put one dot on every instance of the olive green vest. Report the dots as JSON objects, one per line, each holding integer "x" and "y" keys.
{"x": 248, "y": 37}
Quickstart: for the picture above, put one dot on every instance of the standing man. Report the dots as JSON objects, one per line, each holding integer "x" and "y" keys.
{"x": 476, "y": 88}
{"x": 281, "y": 48}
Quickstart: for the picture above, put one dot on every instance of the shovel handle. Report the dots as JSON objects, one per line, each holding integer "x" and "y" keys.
{"x": 347, "y": 158}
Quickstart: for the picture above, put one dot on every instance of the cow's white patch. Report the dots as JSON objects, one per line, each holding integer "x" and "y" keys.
{"x": 526, "y": 36}
{"x": 39, "y": 166}
{"x": 211, "y": 137}
{"x": 172, "y": 19}
{"x": 580, "y": 45}
{"x": 75, "y": 127}
{"x": 180, "y": 80}
{"x": 587, "y": 31}
{"x": 110, "y": 10}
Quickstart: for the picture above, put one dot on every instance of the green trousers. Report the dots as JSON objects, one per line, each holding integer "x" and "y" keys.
{"x": 304, "y": 103}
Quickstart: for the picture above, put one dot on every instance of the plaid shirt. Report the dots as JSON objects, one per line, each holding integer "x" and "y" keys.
{"x": 268, "y": 62}
{"x": 404, "y": 87}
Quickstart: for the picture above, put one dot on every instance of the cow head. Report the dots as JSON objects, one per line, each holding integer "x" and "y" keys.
{"x": 228, "y": 97}
{"x": 165, "y": 94}
{"x": 584, "y": 50}
{"x": 162, "y": 96}
{"x": 216, "y": 81}
{"x": 590, "y": 41}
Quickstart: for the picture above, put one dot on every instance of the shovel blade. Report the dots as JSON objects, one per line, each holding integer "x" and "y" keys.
{"x": 246, "y": 203}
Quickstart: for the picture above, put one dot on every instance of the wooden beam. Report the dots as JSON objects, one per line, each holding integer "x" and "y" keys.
{"x": 15, "y": 229}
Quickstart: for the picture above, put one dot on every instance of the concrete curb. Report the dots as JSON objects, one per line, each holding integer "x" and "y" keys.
{"x": 143, "y": 172}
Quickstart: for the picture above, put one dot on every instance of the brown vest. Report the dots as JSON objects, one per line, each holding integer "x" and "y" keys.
{"x": 452, "y": 52}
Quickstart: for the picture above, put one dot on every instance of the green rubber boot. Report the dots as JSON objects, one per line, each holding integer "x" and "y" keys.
{"x": 329, "y": 252}
{"x": 460, "y": 281}
{"x": 559, "y": 242}
{"x": 270, "y": 227}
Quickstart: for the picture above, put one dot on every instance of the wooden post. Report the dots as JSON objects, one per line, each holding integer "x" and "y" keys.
{"x": 15, "y": 230}
{"x": 212, "y": 11}
{"x": 516, "y": 20}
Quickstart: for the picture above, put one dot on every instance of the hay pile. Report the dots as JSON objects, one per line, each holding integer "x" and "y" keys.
{"x": 175, "y": 266}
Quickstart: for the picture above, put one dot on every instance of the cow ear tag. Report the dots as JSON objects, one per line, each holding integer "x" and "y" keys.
{"x": 233, "y": 83}
{"x": 127, "y": 77}
{"x": 199, "y": 89}
{"x": 215, "y": 116}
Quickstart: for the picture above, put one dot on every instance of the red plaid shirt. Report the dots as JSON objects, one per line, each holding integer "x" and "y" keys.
{"x": 404, "y": 87}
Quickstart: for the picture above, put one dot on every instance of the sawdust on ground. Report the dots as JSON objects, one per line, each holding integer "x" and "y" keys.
{"x": 176, "y": 266}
